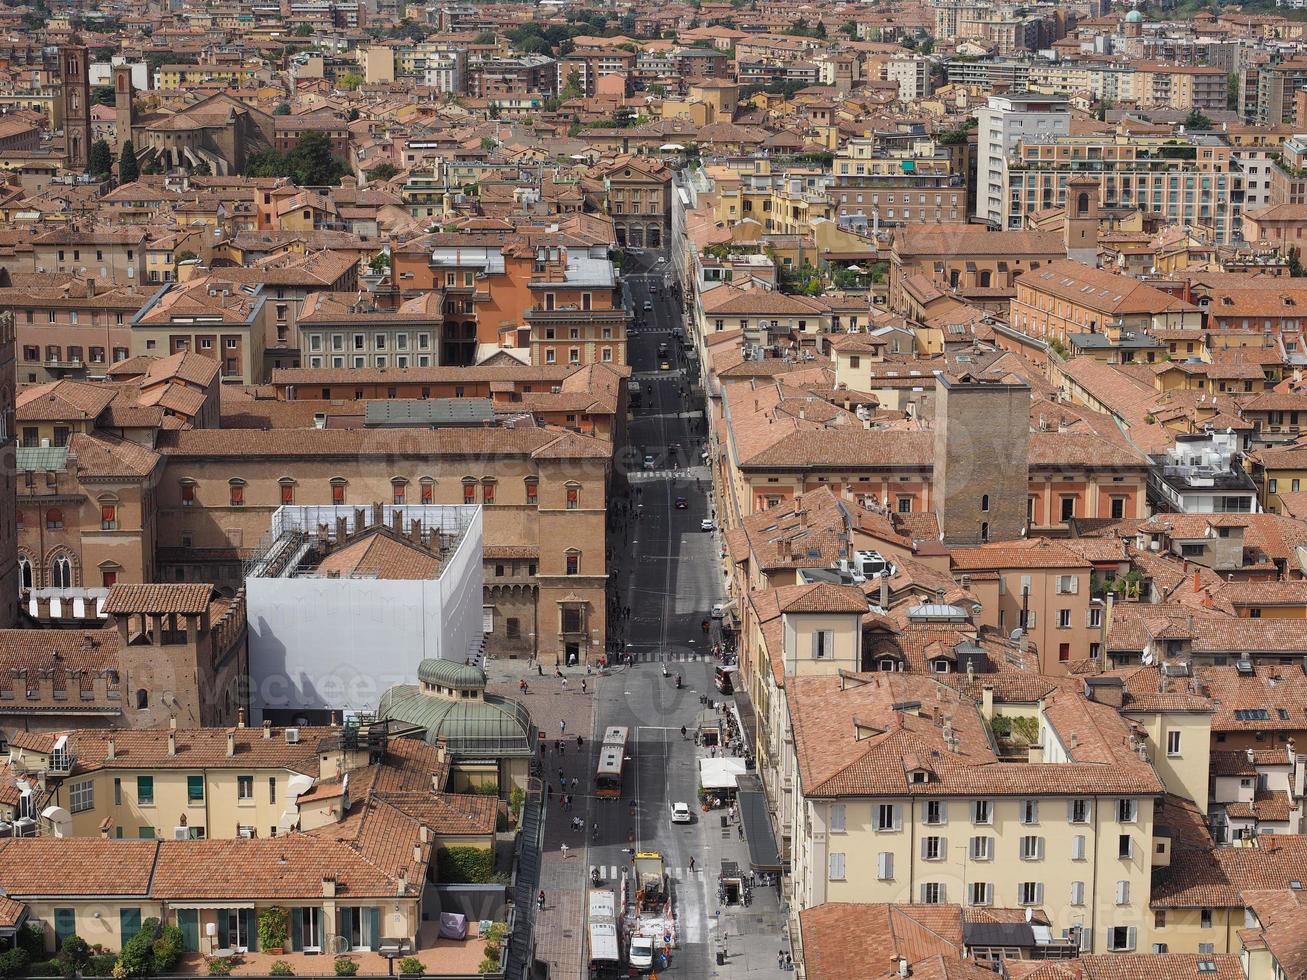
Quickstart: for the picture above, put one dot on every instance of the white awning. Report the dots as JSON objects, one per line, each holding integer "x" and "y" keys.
{"x": 210, "y": 905}
{"x": 720, "y": 773}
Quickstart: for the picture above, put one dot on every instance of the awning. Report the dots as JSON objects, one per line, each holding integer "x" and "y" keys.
{"x": 210, "y": 905}
{"x": 763, "y": 854}
{"x": 720, "y": 773}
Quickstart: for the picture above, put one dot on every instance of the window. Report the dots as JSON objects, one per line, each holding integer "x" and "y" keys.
{"x": 1032, "y": 848}
{"x": 398, "y": 491}
{"x": 980, "y": 893}
{"x": 108, "y": 517}
{"x": 1205, "y": 918}
{"x": 469, "y": 490}
{"x": 1126, "y": 811}
{"x": 934, "y": 812}
{"x": 237, "y": 491}
{"x": 188, "y": 494}
{"x": 1118, "y": 508}
{"x": 194, "y": 789}
{"x": 65, "y": 925}
{"x": 145, "y": 790}
{"x": 1125, "y": 847}
{"x": 1064, "y": 619}
{"x": 887, "y": 817}
{"x": 933, "y": 848}
{"x": 837, "y": 816}
{"x": 1123, "y": 892}
{"x": 244, "y": 787}
{"x": 338, "y": 491}
{"x": 1173, "y": 743}
{"x": 1121, "y": 938}
{"x": 1077, "y": 893}
{"x": 54, "y": 519}
{"x": 1068, "y": 508}
{"x": 488, "y": 492}
{"x": 1030, "y": 892}
{"x": 428, "y": 488}
{"x": 287, "y": 488}
{"x": 982, "y": 848}
{"x": 81, "y": 796}
{"x": 1159, "y": 919}
{"x": 573, "y": 563}
{"x": 984, "y": 502}
{"x": 117, "y": 791}
{"x": 885, "y": 866}
{"x": 932, "y": 893}
{"x": 573, "y": 496}
{"x": 836, "y": 866}
{"x": 822, "y": 643}
{"x": 1077, "y": 811}
{"x": 61, "y": 573}
{"x": 1078, "y": 847}
{"x": 1029, "y": 811}
{"x": 905, "y": 505}
{"x": 532, "y": 491}
{"x": 982, "y": 812}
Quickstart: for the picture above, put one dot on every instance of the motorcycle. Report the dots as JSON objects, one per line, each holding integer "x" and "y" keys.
{"x": 594, "y": 876}
{"x": 678, "y": 682}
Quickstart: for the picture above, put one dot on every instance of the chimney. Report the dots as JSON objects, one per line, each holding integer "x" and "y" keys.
{"x": 1197, "y": 576}
{"x": 884, "y": 589}
{"x": 90, "y": 289}
{"x": 111, "y": 749}
{"x": 417, "y": 853}
{"x": 401, "y": 887}
{"x": 172, "y": 741}
{"x": 231, "y": 743}
{"x": 328, "y": 886}
{"x": 240, "y": 718}
{"x": 267, "y": 729}
{"x": 987, "y": 703}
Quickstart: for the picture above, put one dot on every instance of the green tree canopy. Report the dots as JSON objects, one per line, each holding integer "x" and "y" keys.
{"x": 100, "y": 162}
{"x": 102, "y": 95}
{"x": 310, "y": 163}
{"x": 1196, "y": 120}
{"x": 128, "y": 171}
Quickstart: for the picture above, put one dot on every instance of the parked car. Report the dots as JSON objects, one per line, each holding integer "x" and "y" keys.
{"x": 706, "y": 525}
{"x": 641, "y": 953}
{"x": 681, "y": 813}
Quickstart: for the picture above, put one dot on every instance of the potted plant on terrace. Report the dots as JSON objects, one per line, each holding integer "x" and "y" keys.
{"x": 274, "y": 932}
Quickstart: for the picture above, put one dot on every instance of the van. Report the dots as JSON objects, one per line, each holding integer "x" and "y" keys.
{"x": 635, "y": 390}
{"x": 723, "y": 679}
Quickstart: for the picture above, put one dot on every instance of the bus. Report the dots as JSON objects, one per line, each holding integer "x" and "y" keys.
{"x": 612, "y": 760}
{"x": 603, "y": 944}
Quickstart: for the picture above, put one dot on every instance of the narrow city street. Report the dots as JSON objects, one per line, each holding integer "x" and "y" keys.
{"x": 665, "y": 569}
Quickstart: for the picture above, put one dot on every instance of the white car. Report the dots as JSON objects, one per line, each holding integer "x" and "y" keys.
{"x": 649, "y": 462}
{"x": 648, "y": 305}
{"x": 706, "y": 525}
{"x": 680, "y": 813}
{"x": 642, "y": 952}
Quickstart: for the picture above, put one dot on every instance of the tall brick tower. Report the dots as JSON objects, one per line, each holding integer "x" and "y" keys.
{"x": 982, "y": 467}
{"x": 123, "y": 102}
{"x": 8, "y": 476}
{"x": 75, "y": 75}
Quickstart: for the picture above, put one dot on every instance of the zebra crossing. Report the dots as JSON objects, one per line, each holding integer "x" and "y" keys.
{"x": 668, "y": 473}
{"x": 670, "y": 656}
{"x": 610, "y": 873}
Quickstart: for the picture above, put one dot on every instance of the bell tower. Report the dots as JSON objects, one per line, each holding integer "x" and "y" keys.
{"x": 123, "y": 102}
{"x": 75, "y": 76}
{"x": 1080, "y": 220}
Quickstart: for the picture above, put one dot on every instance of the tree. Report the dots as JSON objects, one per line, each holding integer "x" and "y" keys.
{"x": 304, "y": 30}
{"x": 1196, "y": 120}
{"x": 572, "y": 90}
{"x": 820, "y": 30}
{"x": 1232, "y": 92}
{"x": 128, "y": 171}
{"x": 1296, "y": 269}
{"x": 535, "y": 45}
{"x": 849, "y": 28}
{"x": 379, "y": 263}
{"x": 382, "y": 171}
{"x": 310, "y": 163}
{"x": 485, "y": 37}
{"x": 281, "y": 109}
{"x": 100, "y": 162}
{"x": 349, "y": 81}
{"x": 800, "y": 27}
{"x": 73, "y": 954}
{"x": 201, "y": 169}
{"x": 102, "y": 95}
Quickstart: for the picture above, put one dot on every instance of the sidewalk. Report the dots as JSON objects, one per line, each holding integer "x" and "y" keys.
{"x": 560, "y": 927}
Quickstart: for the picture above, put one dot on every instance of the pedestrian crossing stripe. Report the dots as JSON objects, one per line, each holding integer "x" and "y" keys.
{"x": 613, "y": 872}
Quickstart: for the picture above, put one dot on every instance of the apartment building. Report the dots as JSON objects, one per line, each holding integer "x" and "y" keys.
{"x": 907, "y": 794}
{"x": 876, "y": 186}
{"x": 1066, "y": 298}
{"x": 637, "y": 194}
{"x": 1039, "y": 587}
{"x": 211, "y": 316}
{"x": 504, "y": 77}
{"x": 965, "y": 258}
{"x": 1002, "y": 123}
{"x": 340, "y": 330}
{"x": 1193, "y": 181}
{"x": 109, "y": 256}
{"x": 586, "y": 64}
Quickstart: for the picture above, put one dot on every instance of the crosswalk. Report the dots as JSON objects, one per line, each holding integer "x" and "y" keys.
{"x": 671, "y": 656}
{"x": 668, "y": 473}
{"x": 613, "y": 872}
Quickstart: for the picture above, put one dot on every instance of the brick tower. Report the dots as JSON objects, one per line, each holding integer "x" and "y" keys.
{"x": 123, "y": 102}
{"x": 75, "y": 75}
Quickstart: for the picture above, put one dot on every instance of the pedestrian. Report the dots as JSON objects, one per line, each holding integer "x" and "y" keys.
{"x": 582, "y": 685}
{"x": 789, "y": 964}
{"x": 780, "y": 956}
{"x": 683, "y": 730}
{"x": 562, "y": 726}
{"x": 540, "y": 902}
{"x": 564, "y": 682}
{"x": 549, "y": 792}
{"x": 574, "y": 781}
{"x": 691, "y": 865}
{"x": 561, "y": 777}
{"x": 563, "y": 848}
{"x": 540, "y": 669}
{"x": 558, "y": 745}
{"x": 561, "y": 749}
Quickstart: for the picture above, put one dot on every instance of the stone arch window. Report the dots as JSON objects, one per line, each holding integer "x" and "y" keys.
{"x": 338, "y": 485}
{"x": 109, "y": 572}
{"x": 25, "y": 577}
{"x": 142, "y": 699}
{"x": 427, "y": 486}
{"x": 398, "y": 491}
{"x": 108, "y": 511}
{"x": 187, "y": 492}
{"x": 236, "y": 492}
{"x": 61, "y": 572}
{"x": 54, "y": 519}
{"x": 488, "y": 488}
{"x": 286, "y": 490}
{"x": 469, "y": 490}
{"x": 532, "y": 484}
{"x": 572, "y": 561}
{"x": 573, "y": 495}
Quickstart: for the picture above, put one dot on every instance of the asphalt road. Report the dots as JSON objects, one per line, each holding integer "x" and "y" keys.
{"x": 669, "y": 576}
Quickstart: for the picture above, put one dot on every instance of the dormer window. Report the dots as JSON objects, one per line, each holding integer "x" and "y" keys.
{"x": 919, "y": 776}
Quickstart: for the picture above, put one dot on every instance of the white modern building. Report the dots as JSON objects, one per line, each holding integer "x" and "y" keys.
{"x": 345, "y": 602}
{"x": 1002, "y": 122}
